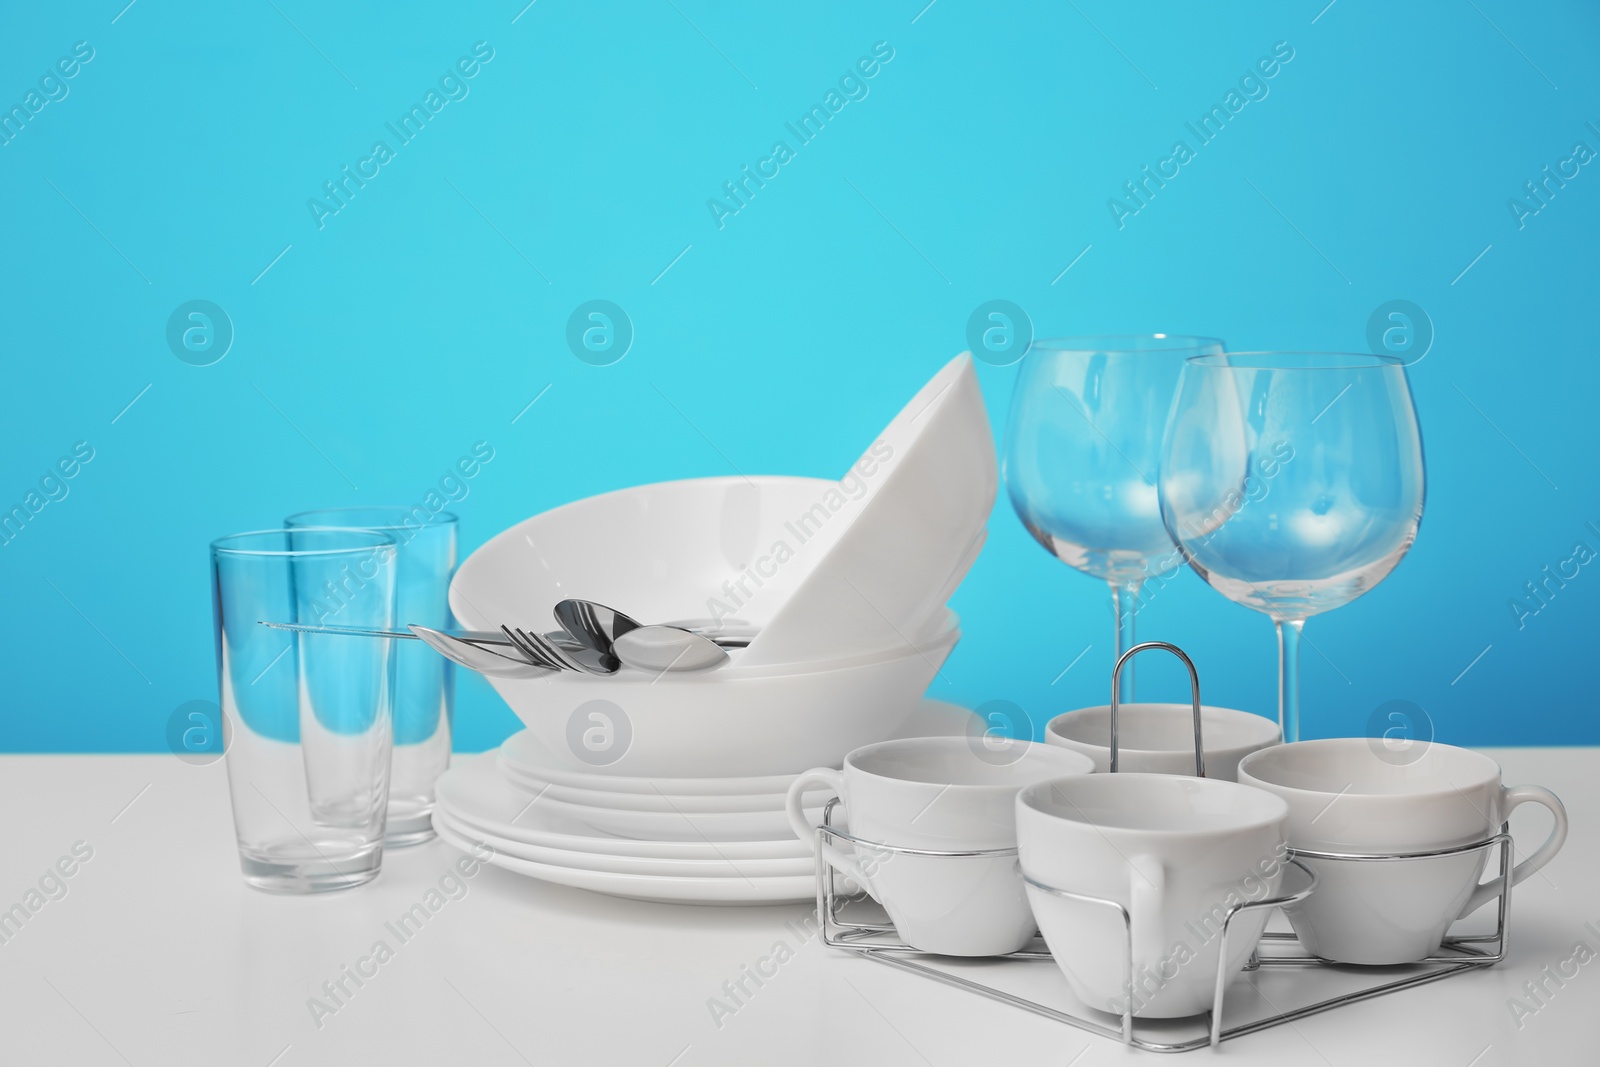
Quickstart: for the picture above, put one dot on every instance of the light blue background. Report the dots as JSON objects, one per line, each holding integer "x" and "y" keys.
{"x": 420, "y": 320}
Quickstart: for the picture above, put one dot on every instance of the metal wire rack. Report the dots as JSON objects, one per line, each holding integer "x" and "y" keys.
{"x": 854, "y": 922}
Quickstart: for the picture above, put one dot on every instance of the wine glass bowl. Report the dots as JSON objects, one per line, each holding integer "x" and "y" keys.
{"x": 1082, "y": 451}
{"x": 1292, "y": 483}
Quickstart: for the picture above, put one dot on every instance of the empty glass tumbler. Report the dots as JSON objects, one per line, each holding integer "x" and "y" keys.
{"x": 306, "y": 717}
{"x": 424, "y": 691}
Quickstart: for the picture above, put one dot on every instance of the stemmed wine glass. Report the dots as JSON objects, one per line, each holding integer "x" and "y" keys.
{"x": 1083, "y": 445}
{"x": 1292, "y": 482}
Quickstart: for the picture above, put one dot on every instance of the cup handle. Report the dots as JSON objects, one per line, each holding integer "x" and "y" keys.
{"x": 1147, "y": 891}
{"x": 1511, "y": 798}
{"x": 794, "y": 808}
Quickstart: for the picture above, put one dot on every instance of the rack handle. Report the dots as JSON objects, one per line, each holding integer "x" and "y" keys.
{"x": 1194, "y": 698}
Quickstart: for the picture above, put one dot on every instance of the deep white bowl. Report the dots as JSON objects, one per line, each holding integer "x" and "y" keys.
{"x": 691, "y": 549}
{"x": 676, "y": 550}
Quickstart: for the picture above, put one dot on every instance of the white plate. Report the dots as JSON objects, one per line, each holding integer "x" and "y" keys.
{"x": 474, "y": 792}
{"x": 532, "y": 759}
{"x": 659, "y": 888}
{"x": 527, "y": 756}
{"x": 654, "y": 825}
{"x": 598, "y": 798}
{"x": 732, "y": 866}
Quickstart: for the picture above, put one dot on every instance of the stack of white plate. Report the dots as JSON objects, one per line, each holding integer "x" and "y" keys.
{"x": 682, "y": 840}
{"x": 680, "y": 796}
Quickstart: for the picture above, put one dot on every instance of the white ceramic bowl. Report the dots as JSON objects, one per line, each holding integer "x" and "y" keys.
{"x": 722, "y": 723}
{"x": 676, "y": 550}
{"x": 926, "y": 487}
{"x": 524, "y": 759}
{"x": 1159, "y": 738}
{"x": 660, "y": 552}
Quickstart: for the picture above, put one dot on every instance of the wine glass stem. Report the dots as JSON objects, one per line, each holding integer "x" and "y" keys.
{"x": 1289, "y": 677}
{"x": 1125, "y": 603}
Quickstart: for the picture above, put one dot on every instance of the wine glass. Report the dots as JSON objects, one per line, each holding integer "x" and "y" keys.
{"x": 1292, "y": 482}
{"x": 1083, "y": 445}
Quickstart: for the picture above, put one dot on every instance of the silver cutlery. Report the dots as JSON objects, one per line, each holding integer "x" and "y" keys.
{"x": 474, "y": 649}
{"x": 605, "y": 640}
{"x": 690, "y": 646}
{"x": 479, "y": 656}
{"x": 541, "y": 650}
{"x": 481, "y": 637}
{"x": 667, "y": 648}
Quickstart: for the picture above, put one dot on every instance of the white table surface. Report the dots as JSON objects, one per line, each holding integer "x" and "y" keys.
{"x": 159, "y": 954}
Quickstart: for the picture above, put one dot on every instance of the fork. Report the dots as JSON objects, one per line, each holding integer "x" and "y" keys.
{"x": 543, "y": 652}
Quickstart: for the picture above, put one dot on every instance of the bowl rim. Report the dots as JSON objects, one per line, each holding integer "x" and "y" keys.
{"x": 945, "y": 629}
{"x": 463, "y": 609}
{"x": 1027, "y": 802}
{"x": 1489, "y": 767}
{"x": 852, "y": 764}
{"x": 1276, "y": 737}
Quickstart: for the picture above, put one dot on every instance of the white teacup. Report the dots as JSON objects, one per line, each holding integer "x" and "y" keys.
{"x": 941, "y": 794}
{"x": 1159, "y": 738}
{"x": 1346, "y": 796}
{"x": 1177, "y": 853}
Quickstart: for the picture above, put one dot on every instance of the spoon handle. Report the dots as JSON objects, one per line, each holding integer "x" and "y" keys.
{"x": 482, "y": 637}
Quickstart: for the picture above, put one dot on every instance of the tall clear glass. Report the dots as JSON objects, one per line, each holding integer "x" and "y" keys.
{"x": 425, "y": 682}
{"x": 1293, "y": 482}
{"x": 1083, "y": 445}
{"x": 306, "y": 717}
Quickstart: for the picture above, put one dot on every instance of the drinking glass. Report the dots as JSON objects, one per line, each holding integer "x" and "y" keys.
{"x": 1083, "y": 445}
{"x": 425, "y": 682}
{"x": 1292, "y": 483}
{"x": 306, "y": 717}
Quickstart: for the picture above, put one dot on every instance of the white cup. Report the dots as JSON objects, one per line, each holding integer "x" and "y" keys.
{"x": 1345, "y": 795}
{"x": 940, "y": 794}
{"x": 1177, "y": 854}
{"x": 1159, "y": 738}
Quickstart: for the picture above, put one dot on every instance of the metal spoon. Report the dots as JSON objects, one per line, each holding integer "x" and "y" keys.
{"x": 593, "y": 624}
{"x": 667, "y": 648}
{"x": 598, "y": 626}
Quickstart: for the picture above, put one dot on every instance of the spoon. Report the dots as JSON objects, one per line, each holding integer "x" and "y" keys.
{"x": 667, "y": 648}
{"x": 598, "y": 626}
{"x": 476, "y": 650}
{"x": 593, "y": 624}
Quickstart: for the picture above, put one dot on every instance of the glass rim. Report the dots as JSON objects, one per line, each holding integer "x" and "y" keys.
{"x": 437, "y": 516}
{"x": 379, "y": 539}
{"x": 1129, "y": 343}
{"x": 1271, "y": 359}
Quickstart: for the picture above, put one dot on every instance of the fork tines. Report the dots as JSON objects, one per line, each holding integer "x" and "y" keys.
{"x": 535, "y": 652}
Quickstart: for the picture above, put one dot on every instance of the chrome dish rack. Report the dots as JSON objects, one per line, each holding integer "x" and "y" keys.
{"x": 854, "y": 922}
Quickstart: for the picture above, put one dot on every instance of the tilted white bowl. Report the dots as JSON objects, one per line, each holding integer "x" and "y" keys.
{"x": 929, "y": 483}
